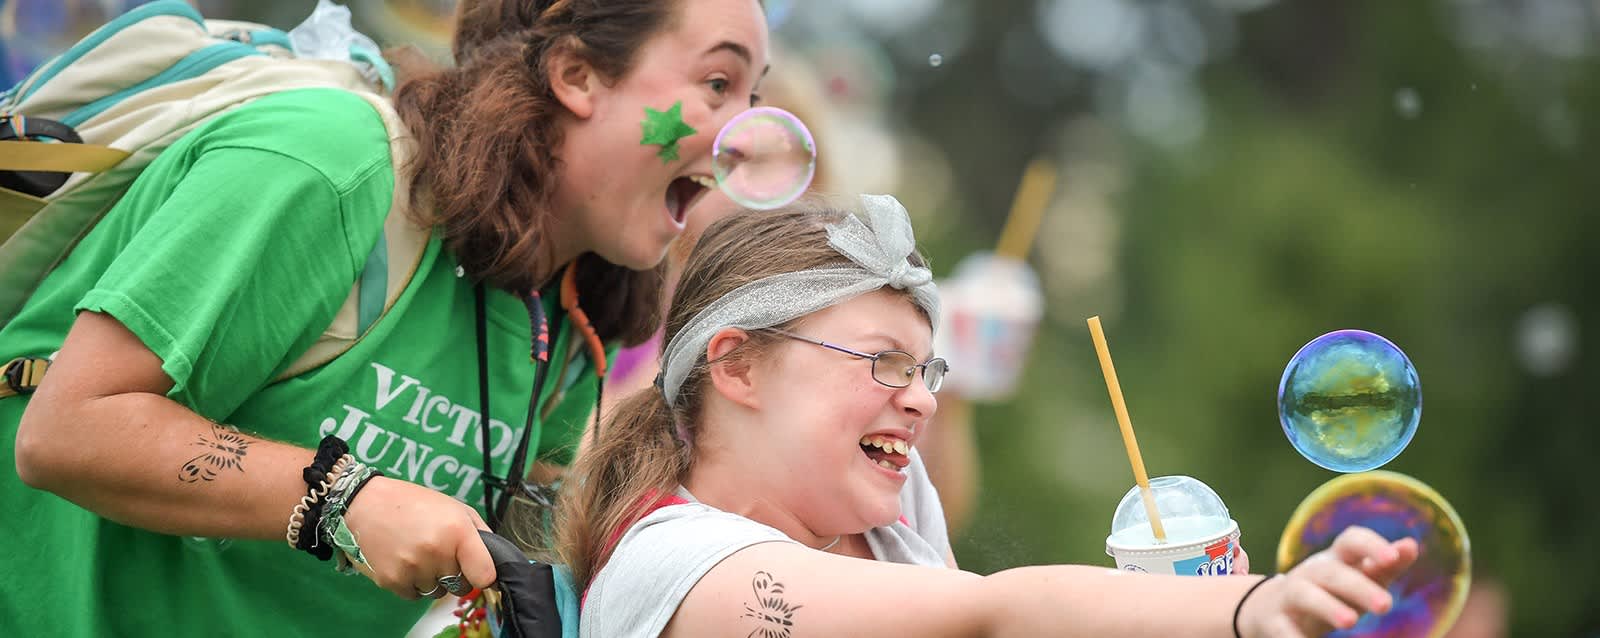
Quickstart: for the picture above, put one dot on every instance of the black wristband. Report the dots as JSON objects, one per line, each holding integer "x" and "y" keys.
{"x": 313, "y": 543}
{"x": 1240, "y": 606}
{"x": 357, "y": 489}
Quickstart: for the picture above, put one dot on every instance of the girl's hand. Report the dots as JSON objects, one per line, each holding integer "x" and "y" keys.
{"x": 1331, "y": 589}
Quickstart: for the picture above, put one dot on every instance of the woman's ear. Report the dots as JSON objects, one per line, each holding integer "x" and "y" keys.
{"x": 573, "y": 81}
{"x": 731, "y": 376}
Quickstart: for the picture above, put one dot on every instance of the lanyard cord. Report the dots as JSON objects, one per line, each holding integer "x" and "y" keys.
{"x": 481, "y": 320}
{"x": 540, "y": 356}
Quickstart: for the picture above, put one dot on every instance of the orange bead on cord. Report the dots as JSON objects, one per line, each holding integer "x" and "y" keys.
{"x": 569, "y": 302}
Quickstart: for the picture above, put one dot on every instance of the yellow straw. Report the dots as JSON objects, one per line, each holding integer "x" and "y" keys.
{"x": 1126, "y": 424}
{"x": 1027, "y": 209}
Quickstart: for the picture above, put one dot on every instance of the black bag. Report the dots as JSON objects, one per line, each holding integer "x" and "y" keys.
{"x": 533, "y": 594}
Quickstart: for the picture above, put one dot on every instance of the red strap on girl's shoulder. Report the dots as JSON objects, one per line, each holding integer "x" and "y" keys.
{"x": 651, "y": 502}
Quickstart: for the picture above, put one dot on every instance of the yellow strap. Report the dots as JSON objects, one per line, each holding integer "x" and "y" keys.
{"x": 16, "y": 155}
{"x": 29, "y": 378}
{"x": 15, "y": 210}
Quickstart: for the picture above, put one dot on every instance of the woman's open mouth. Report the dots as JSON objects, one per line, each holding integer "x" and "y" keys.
{"x": 683, "y": 192}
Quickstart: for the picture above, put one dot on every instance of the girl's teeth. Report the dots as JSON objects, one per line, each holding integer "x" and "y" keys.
{"x": 888, "y": 465}
{"x": 887, "y": 444}
{"x": 703, "y": 181}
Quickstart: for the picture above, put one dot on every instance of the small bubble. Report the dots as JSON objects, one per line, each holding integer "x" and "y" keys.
{"x": 1408, "y": 103}
{"x": 1547, "y": 339}
{"x": 935, "y": 60}
{"x": 460, "y": 272}
{"x": 1474, "y": 86}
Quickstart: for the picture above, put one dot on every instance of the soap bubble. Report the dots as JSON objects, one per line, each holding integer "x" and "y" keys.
{"x": 764, "y": 158}
{"x": 1408, "y": 103}
{"x": 935, "y": 60}
{"x": 1547, "y": 339}
{"x": 1349, "y": 401}
{"x": 1429, "y": 595}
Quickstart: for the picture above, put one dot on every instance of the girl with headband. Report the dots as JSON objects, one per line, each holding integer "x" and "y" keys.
{"x": 754, "y": 490}
{"x": 796, "y": 88}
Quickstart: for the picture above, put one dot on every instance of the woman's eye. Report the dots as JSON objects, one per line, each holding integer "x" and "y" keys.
{"x": 719, "y": 85}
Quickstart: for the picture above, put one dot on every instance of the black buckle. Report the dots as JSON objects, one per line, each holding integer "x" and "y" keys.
{"x": 24, "y": 373}
{"x": 35, "y": 183}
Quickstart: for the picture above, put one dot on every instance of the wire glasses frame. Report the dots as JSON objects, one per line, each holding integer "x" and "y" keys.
{"x": 898, "y": 368}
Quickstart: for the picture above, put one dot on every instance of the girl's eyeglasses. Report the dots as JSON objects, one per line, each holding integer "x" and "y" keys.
{"x": 892, "y": 368}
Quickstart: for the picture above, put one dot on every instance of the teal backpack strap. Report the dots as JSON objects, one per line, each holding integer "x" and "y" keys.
{"x": 268, "y": 37}
{"x": 373, "y": 286}
{"x": 375, "y": 61}
{"x": 567, "y": 601}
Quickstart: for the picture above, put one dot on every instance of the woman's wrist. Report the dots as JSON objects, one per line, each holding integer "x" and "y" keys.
{"x": 332, "y": 458}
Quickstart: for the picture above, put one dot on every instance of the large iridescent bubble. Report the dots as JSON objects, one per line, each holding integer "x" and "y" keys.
{"x": 1429, "y": 595}
{"x": 764, "y": 158}
{"x": 1350, "y": 401}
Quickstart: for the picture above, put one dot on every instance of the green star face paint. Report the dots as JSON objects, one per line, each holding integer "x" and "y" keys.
{"x": 664, "y": 129}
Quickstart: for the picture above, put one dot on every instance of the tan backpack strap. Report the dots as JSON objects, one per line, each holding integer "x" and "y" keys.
{"x": 390, "y": 266}
{"x": 56, "y": 157}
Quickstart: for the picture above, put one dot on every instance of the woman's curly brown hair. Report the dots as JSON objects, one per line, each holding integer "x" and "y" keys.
{"x": 487, "y": 130}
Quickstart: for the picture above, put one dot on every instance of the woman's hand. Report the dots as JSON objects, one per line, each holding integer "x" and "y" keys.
{"x": 1331, "y": 589}
{"x": 412, "y": 536}
{"x": 1241, "y": 562}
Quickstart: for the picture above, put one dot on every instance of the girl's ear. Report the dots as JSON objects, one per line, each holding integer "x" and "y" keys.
{"x": 731, "y": 375}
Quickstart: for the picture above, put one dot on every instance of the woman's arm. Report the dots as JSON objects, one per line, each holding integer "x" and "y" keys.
{"x": 790, "y": 590}
{"x": 101, "y": 432}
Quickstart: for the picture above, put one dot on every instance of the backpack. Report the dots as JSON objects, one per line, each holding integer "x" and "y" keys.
{"x": 76, "y": 132}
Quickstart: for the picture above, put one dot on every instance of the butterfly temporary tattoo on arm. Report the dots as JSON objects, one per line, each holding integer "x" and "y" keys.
{"x": 775, "y": 615}
{"x": 224, "y": 449}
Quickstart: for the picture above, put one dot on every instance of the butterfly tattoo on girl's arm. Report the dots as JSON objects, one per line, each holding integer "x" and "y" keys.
{"x": 224, "y": 449}
{"x": 775, "y": 615}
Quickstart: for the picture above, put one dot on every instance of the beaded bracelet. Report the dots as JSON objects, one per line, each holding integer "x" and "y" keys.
{"x": 330, "y": 459}
{"x": 309, "y": 505}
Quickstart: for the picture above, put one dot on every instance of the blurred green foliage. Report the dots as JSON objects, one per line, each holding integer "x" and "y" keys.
{"x": 1310, "y": 205}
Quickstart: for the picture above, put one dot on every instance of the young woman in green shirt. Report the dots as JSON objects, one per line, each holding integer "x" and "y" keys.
{"x": 163, "y": 421}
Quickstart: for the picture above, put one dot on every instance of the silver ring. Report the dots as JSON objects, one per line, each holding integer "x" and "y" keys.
{"x": 456, "y": 584}
{"x": 432, "y": 593}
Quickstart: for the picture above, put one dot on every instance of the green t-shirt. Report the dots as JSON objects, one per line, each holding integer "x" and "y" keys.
{"x": 227, "y": 258}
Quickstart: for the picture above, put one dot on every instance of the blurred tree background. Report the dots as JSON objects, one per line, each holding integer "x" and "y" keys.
{"x": 1417, "y": 169}
{"x": 1237, "y": 178}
